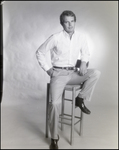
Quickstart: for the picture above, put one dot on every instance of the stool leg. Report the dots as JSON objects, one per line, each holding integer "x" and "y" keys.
{"x": 73, "y": 114}
{"x": 62, "y": 111}
{"x": 47, "y": 108}
{"x": 81, "y": 123}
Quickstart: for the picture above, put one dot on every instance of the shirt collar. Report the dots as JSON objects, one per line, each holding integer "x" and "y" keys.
{"x": 66, "y": 34}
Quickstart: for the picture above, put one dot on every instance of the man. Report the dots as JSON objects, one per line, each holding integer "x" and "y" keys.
{"x": 66, "y": 48}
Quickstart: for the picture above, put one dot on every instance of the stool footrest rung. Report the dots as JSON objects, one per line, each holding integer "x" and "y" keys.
{"x": 70, "y": 116}
{"x": 65, "y": 123}
{"x": 64, "y": 118}
{"x": 67, "y": 99}
{"x": 69, "y": 123}
{"x": 67, "y": 115}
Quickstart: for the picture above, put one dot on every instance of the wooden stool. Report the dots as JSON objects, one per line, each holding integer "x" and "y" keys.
{"x": 63, "y": 116}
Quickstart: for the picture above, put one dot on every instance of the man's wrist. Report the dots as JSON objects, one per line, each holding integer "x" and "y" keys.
{"x": 77, "y": 69}
{"x": 47, "y": 69}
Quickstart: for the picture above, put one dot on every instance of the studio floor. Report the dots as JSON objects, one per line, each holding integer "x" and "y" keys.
{"x": 23, "y": 127}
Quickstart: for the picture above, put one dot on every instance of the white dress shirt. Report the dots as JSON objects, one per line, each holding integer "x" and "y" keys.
{"x": 64, "y": 51}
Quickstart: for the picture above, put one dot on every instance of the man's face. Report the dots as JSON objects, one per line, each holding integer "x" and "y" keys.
{"x": 68, "y": 24}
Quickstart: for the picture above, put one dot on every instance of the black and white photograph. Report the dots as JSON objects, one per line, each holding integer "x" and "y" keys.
{"x": 59, "y": 73}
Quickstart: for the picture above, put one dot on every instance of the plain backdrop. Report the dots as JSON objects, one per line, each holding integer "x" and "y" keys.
{"x": 27, "y": 24}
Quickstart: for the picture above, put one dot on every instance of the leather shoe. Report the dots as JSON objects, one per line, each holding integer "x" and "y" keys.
{"x": 54, "y": 143}
{"x": 80, "y": 103}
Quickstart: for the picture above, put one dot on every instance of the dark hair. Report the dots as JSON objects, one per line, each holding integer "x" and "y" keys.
{"x": 66, "y": 13}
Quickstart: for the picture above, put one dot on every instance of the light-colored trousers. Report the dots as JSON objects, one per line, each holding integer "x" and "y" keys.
{"x": 59, "y": 79}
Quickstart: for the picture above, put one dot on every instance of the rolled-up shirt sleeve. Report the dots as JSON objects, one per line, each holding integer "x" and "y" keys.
{"x": 85, "y": 54}
{"x": 42, "y": 50}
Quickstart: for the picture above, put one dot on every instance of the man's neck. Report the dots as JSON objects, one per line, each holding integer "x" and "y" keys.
{"x": 70, "y": 34}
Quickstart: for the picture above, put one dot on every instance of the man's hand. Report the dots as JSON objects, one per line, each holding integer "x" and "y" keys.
{"x": 83, "y": 68}
{"x": 50, "y": 71}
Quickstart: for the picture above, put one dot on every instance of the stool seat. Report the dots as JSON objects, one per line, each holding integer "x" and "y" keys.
{"x": 64, "y": 116}
{"x": 70, "y": 87}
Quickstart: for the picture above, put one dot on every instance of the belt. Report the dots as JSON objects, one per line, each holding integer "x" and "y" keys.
{"x": 67, "y": 68}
